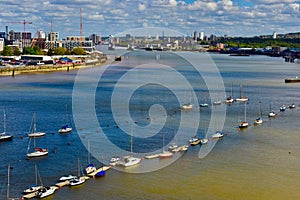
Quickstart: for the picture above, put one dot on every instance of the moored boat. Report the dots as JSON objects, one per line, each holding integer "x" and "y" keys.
{"x": 218, "y": 134}
{"x": 165, "y": 154}
{"x": 3, "y": 135}
{"x": 187, "y": 106}
{"x": 241, "y": 98}
{"x": 34, "y": 133}
{"x": 46, "y": 191}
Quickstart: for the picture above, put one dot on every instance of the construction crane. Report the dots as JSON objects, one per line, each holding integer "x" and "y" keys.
{"x": 24, "y": 22}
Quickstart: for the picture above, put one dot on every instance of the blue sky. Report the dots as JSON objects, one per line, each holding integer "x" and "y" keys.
{"x": 105, "y": 17}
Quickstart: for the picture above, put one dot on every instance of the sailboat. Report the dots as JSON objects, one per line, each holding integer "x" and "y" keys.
{"x": 34, "y": 133}
{"x": 90, "y": 168}
{"x": 65, "y": 128}
{"x": 79, "y": 179}
{"x": 35, "y": 187}
{"x": 130, "y": 160}
{"x": 259, "y": 120}
{"x": 242, "y": 98}
{"x": 230, "y": 98}
{"x": 244, "y": 124}
{"x": 3, "y": 136}
{"x": 271, "y": 112}
{"x": 165, "y": 154}
{"x": 187, "y": 106}
{"x": 38, "y": 152}
{"x": 8, "y": 183}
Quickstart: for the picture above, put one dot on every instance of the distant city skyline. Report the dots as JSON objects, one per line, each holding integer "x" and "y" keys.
{"x": 112, "y": 17}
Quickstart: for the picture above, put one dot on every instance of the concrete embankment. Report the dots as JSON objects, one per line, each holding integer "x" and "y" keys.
{"x": 18, "y": 70}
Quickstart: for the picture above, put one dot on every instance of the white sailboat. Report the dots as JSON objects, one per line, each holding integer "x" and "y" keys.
{"x": 129, "y": 161}
{"x": 259, "y": 119}
{"x": 90, "y": 168}
{"x": 242, "y": 98}
{"x": 271, "y": 112}
{"x": 37, "y": 152}
{"x": 165, "y": 154}
{"x": 188, "y": 106}
{"x": 230, "y": 99}
{"x": 79, "y": 179}
{"x": 244, "y": 124}
{"x": 34, "y": 133}
{"x": 35, "y": 187}
{"x": 65, "y": 128}
{"x": 3, "y": 135}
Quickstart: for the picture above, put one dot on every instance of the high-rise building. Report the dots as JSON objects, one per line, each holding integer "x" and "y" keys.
{"x": 201, "y": 35}
{"x": 1, "y": 44}
{"x": 274, "y": 35}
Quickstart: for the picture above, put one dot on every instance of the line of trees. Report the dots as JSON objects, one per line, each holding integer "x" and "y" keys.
{"x": 9, "y": 51}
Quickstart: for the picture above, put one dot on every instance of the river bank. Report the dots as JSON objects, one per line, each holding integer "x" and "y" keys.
{"x": 34, "y": 69}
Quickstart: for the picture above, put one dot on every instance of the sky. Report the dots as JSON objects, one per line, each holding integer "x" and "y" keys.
{"x": 244, "y": 18}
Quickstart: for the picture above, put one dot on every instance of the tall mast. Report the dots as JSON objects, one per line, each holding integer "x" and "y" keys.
{"x": 4, "y": 121}
{"x": 8, "y": 171}
{"x": 245, "y": 112}
{"x": 34, "y": 122}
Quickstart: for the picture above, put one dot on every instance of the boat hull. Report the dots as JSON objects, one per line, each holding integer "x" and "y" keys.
{"x": 4, "y": 138}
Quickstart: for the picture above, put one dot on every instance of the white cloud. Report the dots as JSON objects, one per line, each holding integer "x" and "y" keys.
{"x": 182, "y": 15}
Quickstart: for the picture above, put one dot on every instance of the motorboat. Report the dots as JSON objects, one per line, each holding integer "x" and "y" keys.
{"x": 217, "y": 103}
{"x": 187, "y": 106}
{"x": 173, "y": 146}
{"x": 203, "y": 105}
{"x": 113, "y": 161}
{"x": 77, "y": 181}
{"x": 46, "y": 191}
{"x": 282, "y": 108}
{"x": 272, "y": 114}
{"x": 129, "y": 161}
{"x": 67, "y": 177}
{"x": 218, "y": 134}
{"x": 292, "y": 106}
{"x": 204, "y": 141}
{"x": 90, "y": 168}
{"x": 195, "y": 142}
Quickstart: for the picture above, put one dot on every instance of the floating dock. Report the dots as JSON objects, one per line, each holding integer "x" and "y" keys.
{"x": 104, "y": 168}
{"x": 61, "y": 184}
{"x": 152, "y": 156}
{"x": 30, "y": 195}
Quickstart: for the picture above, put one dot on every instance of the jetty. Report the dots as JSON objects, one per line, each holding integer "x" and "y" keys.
{"x": 104, "y": 168}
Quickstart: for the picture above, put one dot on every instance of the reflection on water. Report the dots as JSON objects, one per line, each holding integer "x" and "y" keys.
{"x": 260, "y": 162}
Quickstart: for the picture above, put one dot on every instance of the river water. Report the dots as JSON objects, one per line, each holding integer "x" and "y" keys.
{"x": 260, "y": 162}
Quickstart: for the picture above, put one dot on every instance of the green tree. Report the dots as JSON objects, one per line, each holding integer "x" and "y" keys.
{"x": 7, "y": 51}
{"x": 37, "y": 50}
{"x": 78, "y": 51}
{"x": 17, "y": 51}
{"x": 28, "y": 51}
{"x": 60, "y": 51}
